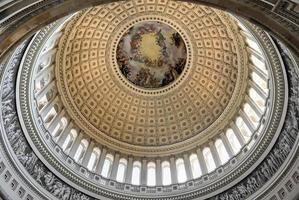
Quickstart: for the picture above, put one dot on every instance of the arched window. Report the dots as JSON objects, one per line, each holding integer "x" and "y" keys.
{"x": 233, "y": 140}
{"x": 43, "y": 100}
{"x": 166, "y": 174}
{"x": 59, "y": 127}
{"x": 222, "y": 152}
{"x": 253, "y": 117}
{"x": 258, "y": 63}
{"x": 254, "y": 45}
{"x": 94, "y": 157}
{"x": 207, "y": 154}
{"x": 181, "y": 171}
{"x": 136, "y": 173}
{"x": 42, "y": 81}
{"x": 45, "y": 61}
{"x": 50, "y": 115}
{"x": 151, "y": 174}
{"x": 69, "y": 140}
{"x": 81, "y": 150}
{"x": 195, "y": 167}
{"x": 257, "y": 99}
{"x": 122, "y": 166}
{"x": 39, "y": 85}
{"x": 260, "y": 81}
{"x": 56, "y": 130}
{"x": 107, "y": 165}
{"x": 243, "y": 128}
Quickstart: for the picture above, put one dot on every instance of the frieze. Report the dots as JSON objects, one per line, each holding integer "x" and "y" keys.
{"x": 19, "y": 144}
{"x": 282, "y": 148}
{"x": 40, "y": 174}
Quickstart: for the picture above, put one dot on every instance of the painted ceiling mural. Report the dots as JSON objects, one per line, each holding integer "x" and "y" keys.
{"x": 151, "y": 54}
{"x": 150, "y": 100}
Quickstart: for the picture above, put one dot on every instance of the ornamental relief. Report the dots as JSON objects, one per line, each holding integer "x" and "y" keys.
{"x": 19, "y": 145}
{"x": 100, "y": 96}
{"x": 39, "y": 177}
{"x": 263, "y": 173}
{"x": 282, "y": 148}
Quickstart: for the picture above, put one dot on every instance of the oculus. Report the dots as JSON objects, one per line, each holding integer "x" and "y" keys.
{"x": 151, "y": 54}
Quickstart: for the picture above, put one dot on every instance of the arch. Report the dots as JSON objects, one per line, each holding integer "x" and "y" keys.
{"x": 257, "y": 99}
{"x": 70, "y": 138}
{"x": 263, "y": 84}
{"x": 253, "y": 117}
{"x": 181, "y": 170}
{"x": 107, "y": 165}
{"x": 258, "y": 62}
{"x": 59, "y": 127}
{"x": 195, "y": 166}
{"x": 166, "y": 173}
{"x": 81, "y": 151}
{"x": 50, "y": 115}
{"x": 221, "y": 150}
{"x": 233, "y": 140}
{"x": 42, "y": 102}
{"x": 210, "y": 163}
{"x": 151, "y": 174}
{"x": 243, "y": 128}
{"x": 136, "y": 172}
{"x": 94, "y": 158}
{"x": 122, "y": 167}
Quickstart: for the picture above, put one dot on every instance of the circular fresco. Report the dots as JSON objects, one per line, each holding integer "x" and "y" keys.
{"x": 151, "y": 54}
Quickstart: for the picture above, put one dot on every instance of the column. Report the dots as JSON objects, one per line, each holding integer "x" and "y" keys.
{"x": 248, "y": 35}
{"x": 188, "y": 167}
{"x": 143, "y": 180}
{"x": 64, "y": 134}
{"x": 48, "y": 53}
{"x": 45, "y": 90}
{"x": 215, "y": 154}
{"x": 259, "y": 72}
{"x": 128, "y": 178}
{"x": 87, "y": 154}
{"x": 55, "y": 122}
{"x": 238, "y": 134}
{"x": 257, "y": 88}
{"x": 174, "y": 175}
{"x": 101, "y": 161}
{"x": 254, "y": 106}
{"x": 46, "y": 109}
{"x": 247, "y": 121}
{"x": 76, "y": 145}
{"x": 158, "y": 172}
{"x": 257, "y": 54}
{"x": 202, "y": 162}
{"x": 114, "y": 166}
{"x": 227, "y": 145}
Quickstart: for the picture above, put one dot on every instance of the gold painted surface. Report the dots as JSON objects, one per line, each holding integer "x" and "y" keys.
{"x": 149, "y": 48}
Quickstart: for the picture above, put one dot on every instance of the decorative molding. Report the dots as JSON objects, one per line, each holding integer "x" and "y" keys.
{"x": 245, "y": 168}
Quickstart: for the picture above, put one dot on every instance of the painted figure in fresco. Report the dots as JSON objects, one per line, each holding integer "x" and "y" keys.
{"x": 151, "y": 54}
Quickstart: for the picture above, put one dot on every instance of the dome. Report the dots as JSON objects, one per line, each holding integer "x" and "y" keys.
{"x": 106, "y": 103}
{"x": 212, "y": 109}
{"x": 155, "y": 99}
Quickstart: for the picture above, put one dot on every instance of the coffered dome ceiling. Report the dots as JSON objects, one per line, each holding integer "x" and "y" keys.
{"x": 160, "y": 75}
{"x": 148, "y": 99}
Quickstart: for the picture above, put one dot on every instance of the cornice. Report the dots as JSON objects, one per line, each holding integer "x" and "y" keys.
{"x": 247, "y": 166}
